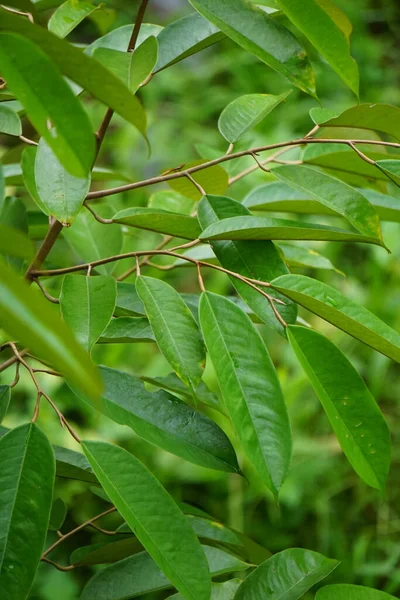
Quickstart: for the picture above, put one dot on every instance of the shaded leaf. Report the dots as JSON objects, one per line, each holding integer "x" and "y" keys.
{"x": 345, "y": 591}
{"x": 73, "y": 465}
{"x": 219, "y": 591}
{"x": 15, "y": 243}
{"x": 159, "y": 220}
{"x": 106, "y": 553}
{"x": 298, "y": 256}
{"x": 378, "y": 117}
{"x": 126, "y": 330}
{"x": 5, "y": 397}
{"x": 391, "y": 168}
{"x": 28, "y": 172}
{"x": 10, "y": 123}
{"x": 58, "y": 514}
{"x": 128, "y": 301}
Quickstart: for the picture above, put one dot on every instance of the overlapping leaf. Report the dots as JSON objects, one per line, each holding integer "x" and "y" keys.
{"x": 159, "y": 220}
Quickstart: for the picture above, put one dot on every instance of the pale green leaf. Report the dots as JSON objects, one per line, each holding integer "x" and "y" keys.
{"x": 28, "y": 172}
{"x": 162, "y": 221}
{"x": 213, "y": 180}
{"x": 10, "y": 123}
{"x": 219, "y": 591}
{"x": 378, "y": 117}
{"x": 68, "y": 16}
{"x": 345, "y": 591}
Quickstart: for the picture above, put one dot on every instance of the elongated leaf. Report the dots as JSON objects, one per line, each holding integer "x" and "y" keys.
{"x": 352, "y": 411}
{"x": 128, "y": 301}
{"x": 314, "y": 19}
{"x": 257, "y": 33}
{"x": 172, "y": 383}
{"x": 89, "y": 240}
{"x": 338, "y": 196}
{"x": 185, "y": 37}
{"x": 153, "y": 515}
{"x": 143, "y": 62}
{"x": 87, "y": 305}
{"x": 254, "y": 259}
{"x": 159, "y": 220}
{"x": 287, "y": 575}
{"x": 28, "y": 171}
{"x": 331, "y": 305}
{"x": 5, "y": 397}
{"x": 166, "y": 421}
{"x": 391, "y": 168}
{"x": 106, "y": 553}
{"x": 297, "y": 256}
{"x": 209, "y": 530}
{"x": 174, "y": 328}
{"x": 213, "y": 180}
{"x": 10, "y": 123}
{"x": 118, "y": 39}
{"x": 72, "y": 139}
{"x": 259, "y": 228}
{"x": 378, "y": 117}
{"x": 245, "y": 112}
{"x": 32, "y": 321}
{"x": 127, "y": 330}
{"x": 73, "y": 465}
{"x": 345, "y": 591}
{"x": 249, "y": 387}
{"x": 82, "y": 69}
{"x": 219, "y": 591}
{"x": 26, "y": 490}
{"x": 60, "y": 192}
{"x": 57, "y": 515}
{"x": 138, "y": 575}
{"x": 68, "y": 16}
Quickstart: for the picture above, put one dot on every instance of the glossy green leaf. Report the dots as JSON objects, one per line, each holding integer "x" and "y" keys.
{"x": 71, "y": 138}
{"x": 334, "y": 307}
{"x": 286, "y": 575}
{"x": 336, "y": 195}
{"x": 185, "y": 37}
{"x": 391, "y": 168}
{"x": 89, "y": 239}
{"x": 73, "y": 465}
{"x": 166, "y": 421}
{"x": 299, "y": 257}
{"x": 159, "y": 220}
{"x": 254, "y": 259}
{"x": 249, "y": 387}
{"x": 68, "y": 16}
{"x": 174, "y": 328}
{"x": 378, "y": 117}
{"x": 58, "y": 514}
{"x": 28, "y": 172}
{"x": 26, "y": 490}
{"x": 87, "y": 305}
{"x": 345, "y": 591}
{"x": 61, "y": 193}
{"x": 261, "y": 35}
{"x": 219, "y": 591}
{"x": 260, "y": 228}
{"x": 352, "y": 411}
{"x": 10, "y": 123}
{"x": 106, "y": 553}
{"x": 317, "y": 24}
{"x": 5, "y": 397}
{"x": 213, "y": 180}
{"x": 156, "y": 519}
{"x": 245, "y": 112}
{"x": 32, "y": 321}
{"x": 84, "y": 71}
{"x": 138, "y": 575}
{"x": 127, "y": 330}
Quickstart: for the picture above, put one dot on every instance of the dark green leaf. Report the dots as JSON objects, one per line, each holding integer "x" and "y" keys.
{"x": 261, "y": 35}
{"x": 126, "y": 330}
{"x": 378, "y": 117}
{"x": 352, "y": 411}
{"x": 10, "y": 123}
{"x": 331, "y": 305}
{"x": 219, "y": 591}
{"x": 73, "y": 465}
{"x": 154, "y": 517}
{"x": 249, "y": 387}
{"x": 344, "y": 591}
{"x": 69, "y": 15}
{"x": 159, "y": 220}
{"x": 106, "y": 553}
{"x": 5, "y": 397}
{"x": 26, "y": 491}
{"x": 286, "y": 575}
{"x": 174, "y": 328}
{"x": 58, "y": 514}
{"x": 209, "y": 530}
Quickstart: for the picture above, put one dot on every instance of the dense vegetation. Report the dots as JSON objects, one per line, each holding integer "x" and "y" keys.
{"x": 199, "y": 207}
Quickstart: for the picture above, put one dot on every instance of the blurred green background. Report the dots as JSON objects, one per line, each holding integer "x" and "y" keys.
{"x": 324, "y": 506}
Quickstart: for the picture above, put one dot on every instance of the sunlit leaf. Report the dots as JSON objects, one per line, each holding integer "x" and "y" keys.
{"x": 68, "y": 16}
{"x": 344, "y": 591}
{"x": 159, "y": 220}
{"x": 213, "y": 180}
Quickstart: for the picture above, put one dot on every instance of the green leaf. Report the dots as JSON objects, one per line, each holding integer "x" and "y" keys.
{"x": 249, "y": 387}
{"x": 83, "y": 70}
{"x": 60, "y": 192}
{"x": 287, "y": 575}
{"x": 127, "y": 330}
{"x": 89, "y": 239}
{"x": 219, "y": 591}
{"x": 336, "y": 195}
{"x": 128, "y": 301}
{"x": 162, "y": 221}
{"x": 87, "y": 305}
{"x": 15, "y": 243}
{"x": 138, "y": 575}
{"x": 58, "y": 514}
{"x": 143, "y": 62}
{"x": 33, "y": 322}
{"x": 314, "y": 19}
{"x": 391, "y": 168}
{"x": 213, "y": 180}
{"x": 10, "y": 123}
{"x": 254, "y": 259}
{"x": 26, "y": 490}
{"x": 118, "y": 39}
{"x": 320, "y": 115}
{"x": 172, "y": 201}
{"x": 378, "y": 117}
{"x": 28, "y": 172}
{"x": 344, "y": 591}
{"x": 71, "y": 138}
{"x": 185, "y": 37}
{"x": 261, "y": 35}
{"x": 245, "y": 112}
{"x": 334, "y": 307}
{"x": 352, "y": 411}
{"x": 209, "y": 530}
{"x": 68, "y": 16}
{"x": 260, "y": 228}
{"x": 5, "y": 397}
{"x": 106, "y": 553}
{"x": 164, "y": 420}
{"x": 73, "y": 465}
{"x": 298, "y": 256}
{"x": 154, "y": 517}
{"x": 174, "y": 328}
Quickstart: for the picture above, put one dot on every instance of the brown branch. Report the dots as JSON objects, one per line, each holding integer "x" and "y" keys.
{"x": 56, "y": 565}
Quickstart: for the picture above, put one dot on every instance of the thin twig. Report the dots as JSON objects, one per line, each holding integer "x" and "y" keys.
{"x": 46, "y": 294}
{"x": 28, "y": 141}
{"x": 200, "y": 278}
{"x": 96, "y": 216}
{"x": 197, "y": 185}
{"x": 56, "y": 565}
